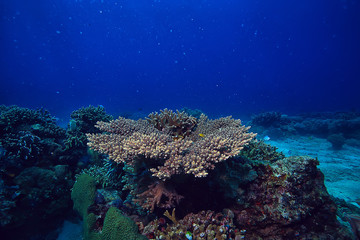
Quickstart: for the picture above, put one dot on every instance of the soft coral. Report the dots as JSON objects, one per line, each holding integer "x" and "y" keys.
{"x": 155, "y": 196}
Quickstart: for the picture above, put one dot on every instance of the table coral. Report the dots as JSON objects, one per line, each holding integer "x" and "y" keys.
{"x": 195, "y": 152}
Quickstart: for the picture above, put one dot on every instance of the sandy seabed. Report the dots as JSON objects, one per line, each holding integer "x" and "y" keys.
{"x": 340, "y": 167}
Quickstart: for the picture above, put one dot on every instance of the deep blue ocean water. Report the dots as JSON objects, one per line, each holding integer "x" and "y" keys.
{"x": 224, "y": 57}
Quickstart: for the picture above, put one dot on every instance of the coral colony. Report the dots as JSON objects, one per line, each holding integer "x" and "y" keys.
{"x": 179, "y": 143}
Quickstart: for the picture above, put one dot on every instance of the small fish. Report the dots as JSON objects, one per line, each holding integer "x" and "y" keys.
{"x": 266, "y": 138}
{"x": 11, "y": 174}
{"x": 16, "y": 194}
{"x": 188, "y": 235}
{"x": 201, "y": 135}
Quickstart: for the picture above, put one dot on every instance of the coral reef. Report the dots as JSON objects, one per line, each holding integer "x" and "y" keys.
{"x": 34, "y": 190}
{"x": 28, "y": 137}
{"x": 37, "y": 167}
{"x": 259, "y": 150}
{"x": 268, "y": 194}
{"x": 83, "y": 193}
{"x": 288, "y": 199}
{"x": 203, "y": 225}
{"x": 6, "y": 204}
{"x": 102, "y": 221}
{"x": 223, "y": 183}
{"x": 266, "y": 119}
{"x": 198, "y": 151}
{"x": 119, "y": 227}
{"x": 14, "y": 119}
{"x": 322, "y": 124}
{"x": 107, "y": 174}
{"x": 285, "y": 199}
{"x": 82, "y": 121}
{"x": 39, "y": 201}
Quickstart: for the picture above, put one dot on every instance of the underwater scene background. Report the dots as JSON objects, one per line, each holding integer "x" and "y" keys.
{"x": 228, "y": 57}
{"x": 114, "y": 119}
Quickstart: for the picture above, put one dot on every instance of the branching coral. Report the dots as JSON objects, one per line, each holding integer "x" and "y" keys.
{"x": 85, "y": 118}
{"x": 83, "y": 121}
{"x": 40, "y": 122}
{"x": 178, "y": 124}
{"x": 106, "y": 175}
{"x": 259, "y": 150}
{"x": 195, "y": 152}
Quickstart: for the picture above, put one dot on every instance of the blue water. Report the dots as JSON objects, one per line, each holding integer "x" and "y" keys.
{"x": 223, "y": 57}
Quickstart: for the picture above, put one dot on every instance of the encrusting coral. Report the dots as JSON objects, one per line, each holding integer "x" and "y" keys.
{"x": 178, "y": 143}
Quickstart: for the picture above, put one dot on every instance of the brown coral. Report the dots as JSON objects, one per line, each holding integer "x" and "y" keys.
{"x": 158, "y": 195}
{"x": 195, "y": 152}
{"x": 178, "y": 124}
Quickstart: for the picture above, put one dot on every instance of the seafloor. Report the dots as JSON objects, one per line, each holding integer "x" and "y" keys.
{"x": 340, "y": 167}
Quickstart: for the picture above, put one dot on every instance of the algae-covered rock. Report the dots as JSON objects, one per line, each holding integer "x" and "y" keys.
{"x": 119, "y": 227}
{"x": 288, "y": 199}
{"x": 116, "y": 226}
{"x": 83, "y": 194}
